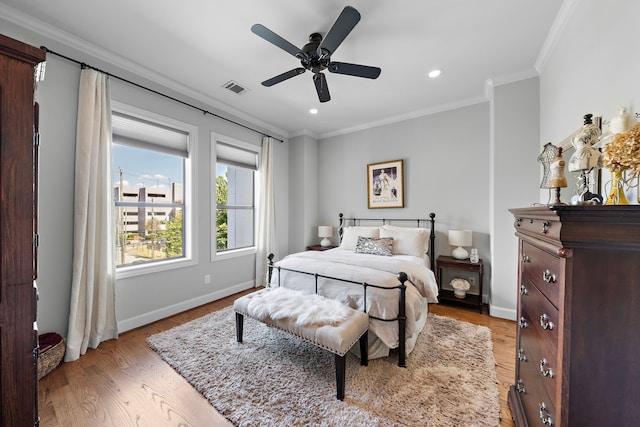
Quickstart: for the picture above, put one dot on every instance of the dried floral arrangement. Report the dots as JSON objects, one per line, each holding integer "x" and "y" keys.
{"x": 460, "y": 284}
{"x": 623, "y": 152}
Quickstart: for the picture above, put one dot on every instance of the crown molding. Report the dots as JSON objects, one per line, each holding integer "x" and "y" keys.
{"x": 304, "y": 132}
{"x": 566, "y": 11}
{"x": 408, "y": 116}
{"x": 70, "y": 41}
{"x": 512, "y": 78}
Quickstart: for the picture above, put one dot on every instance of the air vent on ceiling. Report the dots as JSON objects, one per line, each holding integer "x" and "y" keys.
{"x": 235, "y": 87}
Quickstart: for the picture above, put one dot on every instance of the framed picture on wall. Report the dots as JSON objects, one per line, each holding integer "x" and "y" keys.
{"x": 385, "y": 184}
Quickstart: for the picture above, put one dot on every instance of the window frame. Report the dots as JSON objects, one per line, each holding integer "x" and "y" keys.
{"x": 189, "y": 244}
{"x": 232, "y": 253}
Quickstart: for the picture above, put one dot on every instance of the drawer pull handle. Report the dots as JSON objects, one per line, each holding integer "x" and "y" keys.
{"x": 520, "y": 387}
{"x": 525, "y": 258}
{"x": 523, "y": 323}
{"x": 545, "y": 417}
{"x": 521, "y": 356}
{"x": 546, "y": 323}
{"x": 523, "y": 290}
{"x": 545, "y": 227}
{"x": 518, "y": 221}
{"x": 545, "y": 370}
{"x": 548, "y": 277}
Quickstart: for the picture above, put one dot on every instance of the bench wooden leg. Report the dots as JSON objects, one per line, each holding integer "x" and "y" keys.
{"x": 364, "y": 349}
{"x": 239, "y": 325}
{"x": 340, "y": 374}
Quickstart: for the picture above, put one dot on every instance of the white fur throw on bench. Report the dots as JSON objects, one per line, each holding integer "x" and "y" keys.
{"x": 302, "y": 308}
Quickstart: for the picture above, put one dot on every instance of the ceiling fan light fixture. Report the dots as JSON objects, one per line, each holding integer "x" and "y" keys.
{"x": 435, "y": 73}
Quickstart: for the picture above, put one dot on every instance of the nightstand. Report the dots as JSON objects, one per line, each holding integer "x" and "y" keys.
{"x": 449, "y": 268}
{"x": 319, "y": 248}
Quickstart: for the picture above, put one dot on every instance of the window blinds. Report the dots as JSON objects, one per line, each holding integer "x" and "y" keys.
{"x": 140, "y": 133}
{"x": 236, "y": 156}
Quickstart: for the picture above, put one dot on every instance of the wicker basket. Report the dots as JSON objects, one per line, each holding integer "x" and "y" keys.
{"x": 51, "y": 355}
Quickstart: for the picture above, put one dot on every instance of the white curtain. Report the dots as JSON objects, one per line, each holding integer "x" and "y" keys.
{"x": 92, "y": 317}
{"x": 266, "y": 239}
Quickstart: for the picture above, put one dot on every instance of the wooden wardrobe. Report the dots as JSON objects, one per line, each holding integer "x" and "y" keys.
{"x": 18, "y": 234}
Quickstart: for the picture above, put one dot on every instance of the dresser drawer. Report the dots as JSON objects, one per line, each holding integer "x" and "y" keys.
{"x": 533, "y": 395}
{"x": 546, "y": 271}
{"x": 540, "y": 228}
{"x": 540, "y": 316}
{"x": 540, "y": 359}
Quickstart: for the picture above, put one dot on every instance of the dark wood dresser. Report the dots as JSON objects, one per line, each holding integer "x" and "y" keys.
{"x": 578, "y": 343}
{"x": 18, "y": 295}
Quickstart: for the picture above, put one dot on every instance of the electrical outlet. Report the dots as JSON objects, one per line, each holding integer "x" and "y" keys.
{"x": 207, "y": 279}
{"x": 472, "y": 281}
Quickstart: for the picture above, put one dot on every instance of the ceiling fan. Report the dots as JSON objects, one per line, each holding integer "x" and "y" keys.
{"x": 315, "y": 56}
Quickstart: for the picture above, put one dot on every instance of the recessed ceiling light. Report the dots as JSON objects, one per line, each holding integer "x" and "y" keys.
{"x": 313, "y": 111}
{"x": 434, "y": 74}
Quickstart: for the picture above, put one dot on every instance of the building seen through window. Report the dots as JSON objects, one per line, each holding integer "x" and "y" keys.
{"x": 148, "y": 192}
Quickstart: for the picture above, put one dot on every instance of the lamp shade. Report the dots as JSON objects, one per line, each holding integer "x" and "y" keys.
{"x": 325, "y": 231}
{"x": 460, "y": 238}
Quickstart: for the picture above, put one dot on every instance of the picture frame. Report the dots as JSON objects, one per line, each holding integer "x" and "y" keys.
{"x": 385, "y": 184}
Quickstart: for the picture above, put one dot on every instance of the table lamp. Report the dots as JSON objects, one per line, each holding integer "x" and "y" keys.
{"x": 325, "y": 231}
{"x": 460, "y": 238}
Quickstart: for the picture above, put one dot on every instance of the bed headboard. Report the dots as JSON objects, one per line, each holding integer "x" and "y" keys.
{"x": 346, "y": 222}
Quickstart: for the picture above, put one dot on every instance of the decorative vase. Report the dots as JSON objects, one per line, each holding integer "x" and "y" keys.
{"x": 622, "y": 121}
{"x": 616, "y": 193}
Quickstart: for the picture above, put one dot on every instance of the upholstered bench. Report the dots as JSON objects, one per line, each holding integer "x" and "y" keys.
{"x": 320, "y": 321}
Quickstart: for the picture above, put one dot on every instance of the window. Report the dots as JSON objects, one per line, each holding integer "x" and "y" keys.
{"x": 235, "y": 165}
{"x": 150, "y": 164}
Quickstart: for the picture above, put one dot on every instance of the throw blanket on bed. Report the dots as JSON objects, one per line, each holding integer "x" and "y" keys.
{"x": 373, "y": 269}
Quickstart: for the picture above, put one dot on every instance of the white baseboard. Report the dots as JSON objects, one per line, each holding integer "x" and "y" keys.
{"x": 504, "y": 313}
{"x": 155, "y": 315}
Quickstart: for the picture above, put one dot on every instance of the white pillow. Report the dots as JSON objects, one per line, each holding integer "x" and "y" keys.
{"x": 350, "y": 236}
{"x": 406, "y": 240}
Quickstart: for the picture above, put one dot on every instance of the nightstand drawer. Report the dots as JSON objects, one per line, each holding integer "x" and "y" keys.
{"x": 544, "y": 270}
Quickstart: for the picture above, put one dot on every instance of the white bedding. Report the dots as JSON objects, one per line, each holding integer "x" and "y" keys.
{"x": 375, "y": 270}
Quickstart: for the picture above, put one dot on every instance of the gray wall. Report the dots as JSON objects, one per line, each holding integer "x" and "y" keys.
{"x": 303, "y": 193}
{"x": 446, "y": 168}
{"x": 514, "y": 179}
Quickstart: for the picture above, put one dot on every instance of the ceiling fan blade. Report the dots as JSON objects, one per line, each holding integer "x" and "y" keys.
{"x": 271, "y": 37}
{"x": 354, "y": 70}
{"x": 284, "y": 76}
{"x": 321, "y": 87}
{"x": 348, "y": 19}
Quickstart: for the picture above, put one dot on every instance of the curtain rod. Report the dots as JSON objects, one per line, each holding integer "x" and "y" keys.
{"x": 203, "y": 111}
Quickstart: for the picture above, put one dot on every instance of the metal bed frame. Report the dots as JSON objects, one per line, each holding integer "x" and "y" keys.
{"x": 402, "y": 277}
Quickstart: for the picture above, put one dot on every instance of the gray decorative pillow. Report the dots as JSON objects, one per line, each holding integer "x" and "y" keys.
{"x": 375, "y": 246}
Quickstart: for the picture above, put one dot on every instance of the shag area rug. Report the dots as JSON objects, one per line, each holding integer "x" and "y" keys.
{"x": 272, "y": 378}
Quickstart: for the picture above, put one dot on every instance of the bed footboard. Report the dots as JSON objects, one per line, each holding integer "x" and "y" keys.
{"x": 401, "y": 287}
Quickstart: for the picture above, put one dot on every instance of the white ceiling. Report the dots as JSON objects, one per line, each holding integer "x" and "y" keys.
{"x": 197, "y": 46}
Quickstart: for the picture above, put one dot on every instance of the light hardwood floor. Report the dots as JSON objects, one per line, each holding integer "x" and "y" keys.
{"x": 124, "y": 383}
